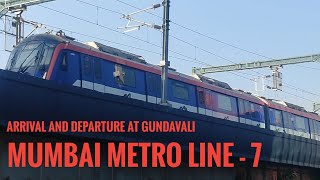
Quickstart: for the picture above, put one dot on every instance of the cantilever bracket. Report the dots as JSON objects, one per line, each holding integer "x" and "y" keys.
{"x": 139, "y": 23}
{"x": 3, "y": 11}
{"x": 316, "y": 58}
{"x": 316, "y": 107}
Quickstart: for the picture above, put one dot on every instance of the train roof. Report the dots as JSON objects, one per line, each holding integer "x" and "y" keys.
{"x": 291, "y": 108}
{"x": 117, "y": 52}
{"x": 203, "y": 82}
{"x": 48, "y": 37}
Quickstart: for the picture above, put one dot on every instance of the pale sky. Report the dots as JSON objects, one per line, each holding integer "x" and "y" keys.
{"x": 276, "y": 29}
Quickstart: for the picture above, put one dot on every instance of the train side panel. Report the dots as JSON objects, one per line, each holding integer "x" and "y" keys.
{"x": 81, "y": 70}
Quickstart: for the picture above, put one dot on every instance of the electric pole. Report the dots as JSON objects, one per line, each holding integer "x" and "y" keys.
{"x": 316, "y": 108}
{"x": 18, "y": 7}
{"x": 165, "y": 52}
{"x": 164, "y": 63}
{"x": 19, "y": 26}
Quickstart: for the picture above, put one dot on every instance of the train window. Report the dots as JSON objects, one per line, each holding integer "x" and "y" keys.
{"x": 247, "y": 108}
{"x": 64, "y": 62}
{"x": 258, "y": 112}
{"x": 224, "y": 102}
{"x": 87, "y": 66}
{"x": 241, "y": 107}
{"x": 301, "y": 124}
{"x": 201, "y": 97}
{"x": 251, "y": 110}
{"x": 153, "y": 83}
{"x": 318, "y": 127}
{"x": 97, "y": 69}
{"x": 46, "y": 56}
{"x": 315, "y": 125}
{"x": 27, "y": 56}
{"x": 295, "y": 122}
{"x": 312, "y": 126}
{"x": 130, "y": 77}
{"x": 125, "y": 76}
{"x": 288, "y": 120}
{"x": 275, "y": 117}
{"x": 208, "y": 98}
{"x": 180, "y": 91}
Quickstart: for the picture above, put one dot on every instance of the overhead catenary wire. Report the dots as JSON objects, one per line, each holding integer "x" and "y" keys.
{"x": 221, "y": 57}
{"x": 100, "y": 7}
{"x": 190, "y": 59}
{"x": 201, "y": 34}
{"x": 189, "y": 29}
{"x": 119, "y": 32}
{"x": 82, "y": 34}
{"x": 201, "y": 62}
{"x": 237, "y": 74}
{"x": 306, "y": 67}
{"x": 113, "y": 42}
{"x": 222, "y": 42}
{"x": 102, "y": 39}
{"x": 102, "y": 26}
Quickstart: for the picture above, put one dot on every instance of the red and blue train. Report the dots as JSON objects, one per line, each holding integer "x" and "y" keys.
{"x": 108, "y": 70}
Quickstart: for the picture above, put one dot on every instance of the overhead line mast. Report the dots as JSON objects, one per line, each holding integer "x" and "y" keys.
{"x": 275, "y": 66}
{"x": 258, "y": 64}
{"x": 164, "y": 63}
{"x": 18, "y": 7}
{"x": 165, "y": 53}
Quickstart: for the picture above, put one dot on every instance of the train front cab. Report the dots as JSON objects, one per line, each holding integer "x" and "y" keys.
{"x": 33, "y": 56}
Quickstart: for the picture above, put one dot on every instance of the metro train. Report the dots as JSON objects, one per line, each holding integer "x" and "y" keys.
{"x": 109, "y": 70}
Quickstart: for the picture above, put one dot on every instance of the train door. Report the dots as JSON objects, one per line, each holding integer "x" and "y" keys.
{"x": 87, "y": 77}
{"x": 209, "y": 102}
{"x": 67, "y": 69}
{"x": 98, "y": 78}
{"x": 201, "y": 100}
{"x": 153, "y": 88}
{"x": 205, "y": 99}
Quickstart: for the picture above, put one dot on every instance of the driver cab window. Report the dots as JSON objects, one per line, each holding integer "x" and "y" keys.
{"x": 64, "y": 61}
{"x": 46, "y": 56}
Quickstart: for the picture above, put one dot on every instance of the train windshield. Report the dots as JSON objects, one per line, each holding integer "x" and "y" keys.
{"x": 32, "y": 58}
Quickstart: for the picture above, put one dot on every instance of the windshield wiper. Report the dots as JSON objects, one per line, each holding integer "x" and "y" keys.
{"x": 21, "y": 69}
{"x": 26, "y": 67}
{"x": 16, "y": 57}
